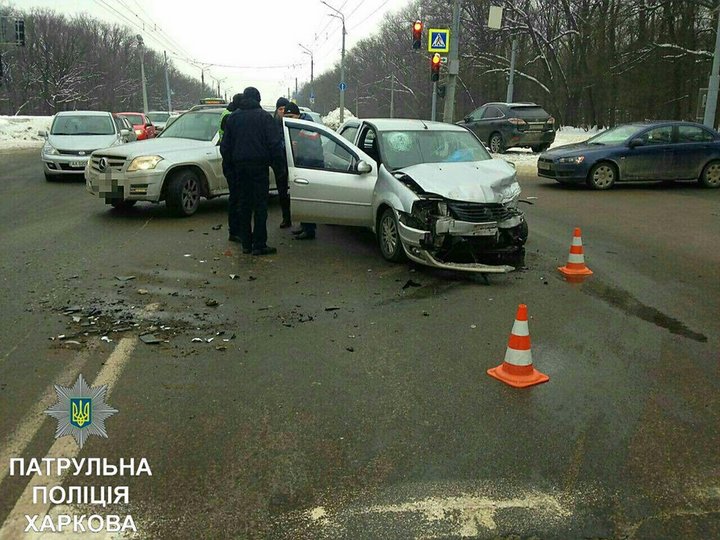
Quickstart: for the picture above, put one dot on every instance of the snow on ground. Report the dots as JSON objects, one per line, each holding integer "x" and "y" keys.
{"x": 527, "y": 159}
{"x": 22, "y": 131}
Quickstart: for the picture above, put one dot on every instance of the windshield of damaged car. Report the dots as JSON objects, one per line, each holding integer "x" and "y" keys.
{"x": 82, "y": 125}
{"x": 200, "y": 126}
{"x": 616, "y": 135}
{"x": 407, "y": 148}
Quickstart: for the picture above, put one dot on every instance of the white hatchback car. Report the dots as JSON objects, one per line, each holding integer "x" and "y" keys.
{"x": 73, "y": 136}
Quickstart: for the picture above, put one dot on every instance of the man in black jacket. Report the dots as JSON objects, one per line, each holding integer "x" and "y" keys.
{"x": 281, "y": 179}
{"x": 251, "y": 144}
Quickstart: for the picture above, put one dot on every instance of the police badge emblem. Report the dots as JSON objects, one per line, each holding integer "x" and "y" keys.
{"x": 81, "y": 411}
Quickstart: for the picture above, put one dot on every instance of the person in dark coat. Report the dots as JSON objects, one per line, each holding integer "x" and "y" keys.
{"x": 251, "y": 144}
{"x": 281, "y": 179}
{"x": 308, "y": 152}
{"x": 233, "y": 215}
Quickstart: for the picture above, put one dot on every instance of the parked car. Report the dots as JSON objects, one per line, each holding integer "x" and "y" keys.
{"x": 179, "y": 167}
{"x": 125, "y": 128}
{"x": 313, "y": 116}
{"x": 73, "y": 136}
{"x": 158, "y": 119}
{"x": 142, "y": 126}
{"x": 638, "y": 151}
{"x": 430, "y": 191}
{"x": 506, "y": 125}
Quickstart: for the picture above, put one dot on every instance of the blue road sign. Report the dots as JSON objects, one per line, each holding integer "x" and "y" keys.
{"x": 342, "y": 86}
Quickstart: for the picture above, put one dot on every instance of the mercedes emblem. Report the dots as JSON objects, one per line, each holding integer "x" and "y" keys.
{"x": 102, "y": 165}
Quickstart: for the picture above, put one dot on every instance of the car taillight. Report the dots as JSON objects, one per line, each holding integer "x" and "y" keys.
{"x": 517, "y": 121}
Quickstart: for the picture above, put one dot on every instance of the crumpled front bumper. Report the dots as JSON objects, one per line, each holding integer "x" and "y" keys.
{"x": 414, "y": 243}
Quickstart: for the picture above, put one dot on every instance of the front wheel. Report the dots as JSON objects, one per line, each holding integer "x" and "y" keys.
{"x": 388, "y": 235}
{"x": 51, "y": 177}
{"x": 183, "y": 193}
{"x": 602, "y": 176}
{"x": 710, "y": 177}
{"x": 540, "y": 148}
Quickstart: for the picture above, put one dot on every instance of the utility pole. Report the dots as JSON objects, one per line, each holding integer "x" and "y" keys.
{"x": 714, "y": 83}
{"x": 167, "y": 84}
{"x": 434, "y": 102}
{"x": 453, "y": 66}
{"x": 511, "y": 79}
{"x": 312, "y": 68}
{"x": 141, "y": 45}
{"x": 296, "y": 88}
{"x": 392, "y": 95}
{"x": 342, "y": 61}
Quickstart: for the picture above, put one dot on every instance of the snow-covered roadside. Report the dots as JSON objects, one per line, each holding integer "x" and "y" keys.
{"x": 22, "y": 131}
{"x": 525, "y": 159}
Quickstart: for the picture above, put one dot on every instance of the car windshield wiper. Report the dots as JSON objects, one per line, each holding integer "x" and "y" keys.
{"x": 90, "y": 133}
{"x": 598, "y": 143}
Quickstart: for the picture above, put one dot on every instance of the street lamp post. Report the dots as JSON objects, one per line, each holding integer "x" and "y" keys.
{"x": 312, "y": 68}
{"x": 714, "y": 83}
{"x": 141, "y": 45}
{"x": 342, "y": 61}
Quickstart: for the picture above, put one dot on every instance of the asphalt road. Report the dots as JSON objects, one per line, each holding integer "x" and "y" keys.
{"x": 324, "y": 400}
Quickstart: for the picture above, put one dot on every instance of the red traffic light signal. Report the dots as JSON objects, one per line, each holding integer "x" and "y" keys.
{"x": 417, "y": 34}
{"x": 435, "y": 67}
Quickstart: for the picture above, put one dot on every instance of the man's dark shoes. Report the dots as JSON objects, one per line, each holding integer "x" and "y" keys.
{"x": 297, "y": 231}
{"x": 267, "y": 250}
{"x": 233, "y": 238}
{"x": 285, "y": 224}
{"x": 247, "y": 251}
{"x": 304, "y": 235}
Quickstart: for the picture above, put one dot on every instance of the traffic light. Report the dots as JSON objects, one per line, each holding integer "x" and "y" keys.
{"x": 417, "y": 34}
{"x": 20, "y": 32}
{"x": 435, "y": 67}
{"x": 441, "y": 91}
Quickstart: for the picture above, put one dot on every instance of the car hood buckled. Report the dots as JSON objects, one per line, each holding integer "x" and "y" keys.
{"x": 488, "y": 181}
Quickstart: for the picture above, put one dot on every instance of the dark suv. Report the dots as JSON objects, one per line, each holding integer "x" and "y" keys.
{"x": 504, "y": 125}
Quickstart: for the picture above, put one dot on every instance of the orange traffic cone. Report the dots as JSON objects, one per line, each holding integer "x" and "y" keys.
{"x": 517, "y": 369}
{"x": 575, "y": 269}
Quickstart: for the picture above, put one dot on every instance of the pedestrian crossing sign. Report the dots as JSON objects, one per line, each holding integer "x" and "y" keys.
{"x": 439, "y": 40}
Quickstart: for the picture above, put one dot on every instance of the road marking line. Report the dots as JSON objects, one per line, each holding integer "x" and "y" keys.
{"x": 20, "y": 342}
{"x": 15, "y": 522}
{"x": 18, "y": 440}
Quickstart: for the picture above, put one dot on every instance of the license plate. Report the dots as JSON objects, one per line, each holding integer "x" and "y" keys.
{"x": 544, "y": 165}
{"x": 77, "y": 164}
{"x": 484, "y": 230}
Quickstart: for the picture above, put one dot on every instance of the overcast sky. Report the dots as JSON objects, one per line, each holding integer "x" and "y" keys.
{"x": 262, "y": 36}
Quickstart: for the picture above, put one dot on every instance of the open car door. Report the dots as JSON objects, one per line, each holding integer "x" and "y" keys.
{"x": 331, "y": 181}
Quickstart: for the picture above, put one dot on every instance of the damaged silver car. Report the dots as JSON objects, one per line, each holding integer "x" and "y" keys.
{"x": 430, "y": 191}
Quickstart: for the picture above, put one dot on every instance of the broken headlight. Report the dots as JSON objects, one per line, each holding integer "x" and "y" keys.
{"x": 424, "y": 212}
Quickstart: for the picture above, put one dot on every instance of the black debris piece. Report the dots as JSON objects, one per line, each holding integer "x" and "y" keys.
{"x": 150, "y": 339}
{"x": 217, "y": 227}
{"x": 410, "y": 283}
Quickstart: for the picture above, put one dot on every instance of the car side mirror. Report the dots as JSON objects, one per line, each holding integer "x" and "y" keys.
{"x": 42, "y": 133}
{"x": 364, "y": 167}
{"x": 468, "y": 119}
{"x": 125, "y": 132}
{"x": 635, "y": 142}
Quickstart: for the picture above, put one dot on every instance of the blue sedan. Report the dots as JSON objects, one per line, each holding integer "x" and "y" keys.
{"x": 654, "y": 151}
